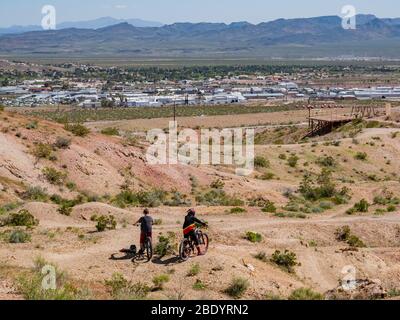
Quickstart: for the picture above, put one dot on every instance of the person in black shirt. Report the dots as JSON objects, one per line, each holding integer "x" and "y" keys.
{"x": 189, "y": 228}
{"x": 146, "y": 228}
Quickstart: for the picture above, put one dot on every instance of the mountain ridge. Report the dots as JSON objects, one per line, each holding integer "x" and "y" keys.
{"x": 317, "y": 36}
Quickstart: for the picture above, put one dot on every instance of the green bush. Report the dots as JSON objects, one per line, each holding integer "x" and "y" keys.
{"x": 62, "y": 143}
{"x": 362, "y": 206}
{"x": 253, "y": 236}
{"x": 237, "y": 288}
{"x": 77, "y": 129}
{"x": 30, "y": 285}
{"x": 344, "y": 234}
{"x": 166, "y": 245}
{"x": 151, "y": 199}
{"x": 54, "y": 176}
{"x": 237, "y": 210}
{"x": 217, "y": 184}
{"x": 199, "y": 285}
{"x": 32, "y": 125}
{"x": 305, "y": 294}
{"x": 269, "y": 207}
{"x": 43, "y": 151}
{"x": 218, "y": 197}
{"x": 22, "y": 219}
{"x": 19, "y": 236}
{"x": 122, "y": 289}
{"x": 262, "y": 256}
{"x": 293, "y": 160}
{"x": 35, "y": 194}
{"x": 194, "y": 270}
{"x": 267, "y": 176}
{"x": 110, "y": 131}
{"x": 159, "y": 281}
{"x": 327, "y": 161}
{"x": 361, "y": 156}
{"x": 105, "y": 223}
{"x": 286, "y": 260}
{"x": 261, "y": 162}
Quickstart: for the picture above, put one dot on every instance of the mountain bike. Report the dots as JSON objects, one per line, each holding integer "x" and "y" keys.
{"x": 188, "y": 246}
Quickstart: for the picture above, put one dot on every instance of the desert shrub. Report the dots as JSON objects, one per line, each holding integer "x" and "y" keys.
{"x": 262, "y": 256}
{"x": 269, "y": 207}
{"x": 1, "y": 108}
{"x": 65, "y": 209}
{"x": 166, "y": 245}
{"x": 178, "y": 200}
{"x": 261, "y": 162}
{"x": 327, "y": 161}
{"x": 30, "y": 285}
{"x": 19, "y": 236}
{"x": 194, "y": 270}
{"x": 355, "y": 242}
{"x": 32, "y": 125}
{"x": 159, "y": 281}
{"x": 253, "y": 236}
{"x": 293, "y": 160}
{"x": 362, "y": 206}
{"x": 54, "y": 176}
{"x": 158, "y": 222}
{"x": 286, "y": 260}
{"x": 43, "y": 151}
{"x": 77, "y": 129}
{"x": 267, "y": 176}
{"x": 344, "y": 234}
{"x": 35, "y": 194}
{"x": 218, "y": 197}
{"x": 8, "y": 207}
{"x": 151, "y": 199}
{"x": 258, "y": 201}
{"x": 105, "y": 223}
{"x": 110, "y": 131}
{"x": 326, "y": 205}
{"x": 62, "y": 143}
{"x": 321, "y": 187}
{"x": 122, "y": 289}
{"x": 305, "y": 294}
{"x": 237, "y": 288}
{"x": 199, "y": 285}
{"x": 22, "y": 218}
{"x": 217, "y": 184}
{"x": 391, "y": 208}
{"x": 362, "y": 156}
{"x": 237, "y": 210}
{"x": 282, "y": 156}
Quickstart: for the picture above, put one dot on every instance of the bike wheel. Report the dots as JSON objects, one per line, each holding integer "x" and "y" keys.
{"x": 149, "y": 249}
{"x": 205, "y": 241}
{"x": 184, "y": 250}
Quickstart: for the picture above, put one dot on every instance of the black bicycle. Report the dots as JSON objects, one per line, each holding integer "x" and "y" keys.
{"x": 188, "y": 246}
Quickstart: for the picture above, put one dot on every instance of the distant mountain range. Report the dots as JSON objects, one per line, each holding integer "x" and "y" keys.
{"x": 90, "y": 24}
{"x": 284, "y": 38}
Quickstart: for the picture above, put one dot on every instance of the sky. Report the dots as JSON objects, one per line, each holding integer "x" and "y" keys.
{"x": 28, "y": 12}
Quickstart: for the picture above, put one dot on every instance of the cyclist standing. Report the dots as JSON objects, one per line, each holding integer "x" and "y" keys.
{"x": 189, "y": 228}
{"x": 146, "y": 229}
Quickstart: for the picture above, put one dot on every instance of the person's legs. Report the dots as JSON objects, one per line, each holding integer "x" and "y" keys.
{"x": 193, "y": 236}
{"x": 142, "y": 239}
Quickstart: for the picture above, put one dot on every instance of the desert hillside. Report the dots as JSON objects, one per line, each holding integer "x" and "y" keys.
{"x": 312, "y": 209}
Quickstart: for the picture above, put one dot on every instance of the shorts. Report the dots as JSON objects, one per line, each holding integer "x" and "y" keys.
{"x": 144, "y": 235}
{"x": 192, "y": 235}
